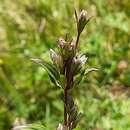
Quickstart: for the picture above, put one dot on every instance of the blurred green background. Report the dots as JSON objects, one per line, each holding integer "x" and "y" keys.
{"x": 29, "y": 28}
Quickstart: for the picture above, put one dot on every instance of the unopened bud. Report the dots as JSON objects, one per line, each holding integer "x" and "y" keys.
{"x": 72, "y": 45}
{"x": 80, "y": 60}
{"x": 82, "y": 20}
{"x": 82, "y": 15}
{"x": 68, "y": 47}
{"x": 54, "y": 56}
{"x": 61, "y": 43}
{"x": 57, "y": 60}
{"x": 83, "y": 59}
{"x": 77, "y": 63}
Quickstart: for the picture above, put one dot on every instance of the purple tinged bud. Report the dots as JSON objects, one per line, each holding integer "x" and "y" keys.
{"x": 83, "y": 15}
{"x": 82, "y": 20}
{"x": 57, "y": 60}
{"x": 67, "y": 47}
{"x": 77, "y": 63}
{"x": 54, "y": 56}
{"x": 61, "y": 42}
{"x": 72, "y": 45}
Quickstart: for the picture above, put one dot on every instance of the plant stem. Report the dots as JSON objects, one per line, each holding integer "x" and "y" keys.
{"x": 69, "y": 84}
{"x": 77, "y": 40}
{"x": 65, "y": 104}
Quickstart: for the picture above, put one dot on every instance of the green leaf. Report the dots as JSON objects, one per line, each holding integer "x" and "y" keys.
{"x": 54, "y": 81}
{"x": 83, "y": 72}
{"x": 79, "y": 77}
{"x": 75, "y": 122}
{"x": 51, "y": 69}
{"x": 73, "y": 113}
{"x": 91, "y": 70}
{"x": 35, "y": 126}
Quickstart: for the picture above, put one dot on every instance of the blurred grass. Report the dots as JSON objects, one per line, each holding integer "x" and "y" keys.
{"x": 29, "y": 28}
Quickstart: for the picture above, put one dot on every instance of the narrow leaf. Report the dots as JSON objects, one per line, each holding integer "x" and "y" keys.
{"x": 73, "y": 113}
{"x": 90, "y": 70}
{"x": 74, "y": 124}
{"x": 79, "y": 77}
{"x": 49, "y": 67}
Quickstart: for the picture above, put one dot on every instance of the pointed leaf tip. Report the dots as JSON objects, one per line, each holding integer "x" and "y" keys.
{"x": 76, "y": 16}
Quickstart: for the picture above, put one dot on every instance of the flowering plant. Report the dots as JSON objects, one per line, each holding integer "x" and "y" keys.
{"x": 67, "y": 70}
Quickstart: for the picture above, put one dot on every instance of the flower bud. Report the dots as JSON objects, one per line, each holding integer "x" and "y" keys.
{"x": 72, "y": 45}
{"x": 54, "y": 56}
{"x": 83, "y": 59}
{"x": 67, "y": 46}
{"x": 61, "y": 43}
{"x": 57, "y": 60}
{"x": 82, "y": 15}
{"x": 82, "y": 20}
{"x": 77, "y": 63}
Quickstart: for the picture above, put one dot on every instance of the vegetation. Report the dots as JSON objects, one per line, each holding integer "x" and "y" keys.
{"x": 29, "y": 28}
{"x": 67, "y": 71}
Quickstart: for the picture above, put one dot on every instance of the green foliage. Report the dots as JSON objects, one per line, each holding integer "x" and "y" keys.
{"x": 29, "y": 28}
